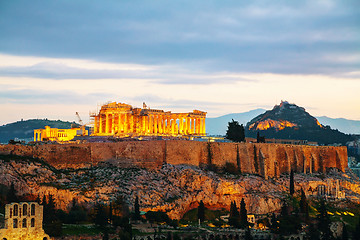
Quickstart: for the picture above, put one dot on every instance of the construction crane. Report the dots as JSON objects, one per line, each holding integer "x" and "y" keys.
{"x": 82, "y": 125}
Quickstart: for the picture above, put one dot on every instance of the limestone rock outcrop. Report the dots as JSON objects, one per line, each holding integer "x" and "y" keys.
{"x": 174, "y": 189}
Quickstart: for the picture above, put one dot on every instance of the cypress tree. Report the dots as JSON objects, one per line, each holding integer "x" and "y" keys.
{"x": 234, "y": 215}
{"x": 324, "y": 221}
{"x": 243, "y": 215}
{"x": 304, "y": 207}
{"x": 201, "y": 211}
{"x": 292, "y": 188}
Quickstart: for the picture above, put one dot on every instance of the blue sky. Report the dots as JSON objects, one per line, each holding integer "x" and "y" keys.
{"x": 59, "y": 57}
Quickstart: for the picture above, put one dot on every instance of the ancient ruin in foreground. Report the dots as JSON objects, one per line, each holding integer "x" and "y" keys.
{"x": 23, "y": 221}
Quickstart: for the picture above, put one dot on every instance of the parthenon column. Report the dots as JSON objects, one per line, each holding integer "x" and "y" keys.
{"x": 203, "y": 126}
{"x": 180, "y": 125}
{"x": 164, "y": 125}
{"x": 120, "y": 123}
{"x": 126, "y": 123}
{"x": 143, "y": 124}
{"x": 131, "y": 123}
{"x": 191, "y": 125}
{"x": 112, "y": 123}
{"x": 197, "y": 126}
{"x": 151, "y": 124}
{"x": 155, "y": 124}
{"x": 107, "y": 125}
{"x": 168, "y": 126}
{"x": 160, "y": 130}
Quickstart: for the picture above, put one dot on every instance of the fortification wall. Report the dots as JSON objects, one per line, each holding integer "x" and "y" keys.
{"x": 265, "y": 159}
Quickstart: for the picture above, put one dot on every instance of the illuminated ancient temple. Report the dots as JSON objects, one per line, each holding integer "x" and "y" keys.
{"x": 120, "y": 119}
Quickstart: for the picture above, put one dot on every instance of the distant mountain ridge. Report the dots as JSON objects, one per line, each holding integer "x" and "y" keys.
{"x": 342, "y": 124}
{"x": 218, "y": 125}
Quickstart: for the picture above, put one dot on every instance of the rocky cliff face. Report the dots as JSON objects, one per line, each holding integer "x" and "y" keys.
{"x": 171, "y": 188}
{"x": 267, "y": 160}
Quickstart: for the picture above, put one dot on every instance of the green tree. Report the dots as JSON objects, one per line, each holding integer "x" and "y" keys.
{"x": 101, "y": 218}
{"x": 288, "y": 223}
{"x": 304, "y": 206}
{"x": 52, "y": 224}
{"x": 312, "y": 233}
{"x": 234, "y": 215}
{"x": 137, "y": 209}
{"x": 243, "y": 215}
{"x": 11, "y": 195}
{"x": 292, "y": 187}
{"x": 274, "y": 225}
{"x": 201, "y": 211}
{"x": 344, "y": 235}
{"x": 76, "y": 214}
{"x": 324, "y": 221}
{"x": 356, "y": 233}
{"x": 235, "y": 131}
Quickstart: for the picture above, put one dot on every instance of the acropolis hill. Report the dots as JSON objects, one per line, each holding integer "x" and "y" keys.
{"x": 169, "y": 175}
{"x": 267, "y": 160}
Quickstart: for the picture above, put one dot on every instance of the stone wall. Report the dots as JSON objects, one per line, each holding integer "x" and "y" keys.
{"x": 265, "y": 159}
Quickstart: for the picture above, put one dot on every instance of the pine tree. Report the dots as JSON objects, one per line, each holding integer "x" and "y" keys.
{"x": 137, "y": 208}
{"x": 201, "y": 211}
{"x": 235, "y": 131}
{"x": 243, "y": 215}
{"x": 292, "y": 188}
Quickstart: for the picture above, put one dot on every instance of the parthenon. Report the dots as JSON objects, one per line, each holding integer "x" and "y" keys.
{"x": 120, "y": 119}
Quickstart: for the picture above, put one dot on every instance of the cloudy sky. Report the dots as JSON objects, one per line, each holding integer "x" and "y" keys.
{"x": 228, "y": 56}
